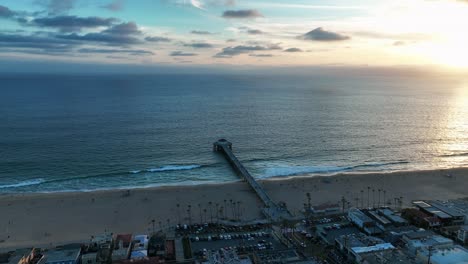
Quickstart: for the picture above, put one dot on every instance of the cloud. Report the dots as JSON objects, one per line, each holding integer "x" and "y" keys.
{"x": 115, "y": 5}
{"x": 129, "y": 28}
{"x": 201, "y": 32}
{"x": 182, "y": 54}
{"x": 261, "y": 55}
{"x": 113, "y": 51}
{"x": 254, "y": 32}
{"x": 293, "y": 50}
{"x": 242, "y": 49}
{"x": 247, "y": 13}
{"x": 123, "y": 34}
{"x": 157, "y": 39}
{"x": 399, "y": 43}
{"x": 56, "y": 7}
{"x": 45, "y": 44}
{"x": 319, "y": 34}
{"x": 73, "y": 23}
{"x": 198, "y": 45}
{"x": 5, "y": 12}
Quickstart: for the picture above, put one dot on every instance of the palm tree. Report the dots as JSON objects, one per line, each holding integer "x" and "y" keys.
{"x": 225, "y": 206}
{"x": 160, "y": 225}
{"x": 204, "y": 211}
{"x": 343, "y": 202}
{"x": 357, "y": 202}
{"x": 368, "y": 199}
{"x": 384, "y": 194}
{"x": 211, "y": 212}
{"x": 189, "y": 212}
{"x": 221, "y": 211}
{"x": 153, "y": 221}
{"x": 373, "y": 198}
{"x": 378, "y": 204}
{"x": 308, "y": 200}
{"x": 217, "y": 212}
{"x": 199, "y": 209}
{"x": 238, "y": 210}
{"x": 362, "y": 198}
{"x": 168, "y": 223}
{"x": 178, "y": 213}
{"x": 232, "y": 211}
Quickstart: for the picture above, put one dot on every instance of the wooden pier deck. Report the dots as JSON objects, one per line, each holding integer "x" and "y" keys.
{"x": 271, "y": 210}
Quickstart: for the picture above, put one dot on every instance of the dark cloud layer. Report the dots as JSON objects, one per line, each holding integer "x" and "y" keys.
{"x": 242, "y": 49}
{"x": 123, "y": 34}
{"x": 254, "y": 32}
{"x": 44, "y": 43}
{"x": 182, "y": 54}
{"x": 201, "y": 32}
{"x": 261, "y": 55}
{"x": 114, "y": 51}
{"x": 56, "y": 7}
{"x": 198, "y": 45}
{"x": 5, "y": 12}
{"x": 319, "y": 34}
{"x": 157, "y": 39}
{"x": 115, "y": 5}
{"x": 73, "y": 23}
{"x": 248, "y": 13}
{"x": 293, "y": 50}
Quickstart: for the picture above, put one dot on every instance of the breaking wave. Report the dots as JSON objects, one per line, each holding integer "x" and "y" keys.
{"x": 23, "y": 184}
{"x": 168, "y": 168}
{"x": 297, "y": 170}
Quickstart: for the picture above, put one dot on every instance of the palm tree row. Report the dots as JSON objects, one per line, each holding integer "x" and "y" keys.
{"x": 212, "y": 212}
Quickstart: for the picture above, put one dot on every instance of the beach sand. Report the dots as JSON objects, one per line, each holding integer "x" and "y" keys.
{"x": 52, "y": 219}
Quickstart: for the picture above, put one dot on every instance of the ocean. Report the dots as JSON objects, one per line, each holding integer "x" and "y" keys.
{"x": 95, "y": 132}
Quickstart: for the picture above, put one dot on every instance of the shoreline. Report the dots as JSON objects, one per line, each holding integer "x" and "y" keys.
{"x": 59, "y": 218}
{"x": 211, "y": 183}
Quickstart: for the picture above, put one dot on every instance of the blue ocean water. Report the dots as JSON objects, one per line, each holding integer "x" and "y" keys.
{"x": 79, "y": 133}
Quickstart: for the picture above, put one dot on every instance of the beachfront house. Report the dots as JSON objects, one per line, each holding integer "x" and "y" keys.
{"x": 63, "y": 256}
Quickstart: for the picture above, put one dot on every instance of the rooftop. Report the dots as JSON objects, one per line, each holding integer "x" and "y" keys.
{"x": 453, "y": 255}
{"x": 61, "y": 255}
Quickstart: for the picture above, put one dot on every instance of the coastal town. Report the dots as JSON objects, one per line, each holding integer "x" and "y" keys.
{"x": 427, "y": 232}
{"x": 374, "y": 227}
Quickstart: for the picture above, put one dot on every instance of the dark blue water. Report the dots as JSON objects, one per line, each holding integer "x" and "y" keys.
{"x": 66, "y": 133}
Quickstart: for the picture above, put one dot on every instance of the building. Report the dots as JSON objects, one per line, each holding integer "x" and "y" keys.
{"x": 122, "y": 247}
{"x": 392, "y": 216}
{"x": 447, "y": 214}
{"x": 140, "y": 247}
{"x": 462, "y": 234}
{"x": 359, "y": 246}
{"x": 63, "y": 256}
{"x": 27, "y": 256}
{"x": 425, "y": 239}
{"x": 450, "y": 255}
{"x": 360, "y": 219}
{"x": 326, "y": 209}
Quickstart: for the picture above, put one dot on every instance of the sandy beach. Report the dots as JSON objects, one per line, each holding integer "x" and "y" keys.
{"x": 51, "y": 219}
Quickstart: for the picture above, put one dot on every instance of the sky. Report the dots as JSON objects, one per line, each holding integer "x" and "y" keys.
{"x": 212, "y": 33}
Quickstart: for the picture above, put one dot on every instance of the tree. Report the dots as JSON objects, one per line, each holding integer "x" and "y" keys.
{"x": 378, "y": 204}
{"x": 178, "y": 213}
{"x": 200, "y": 210}
{"x": 211, "y": 211}
{"x": 368, "y": 199}
{"x": 189, "y": 212}
{"x": 362, "y": 198}
{"x": 308, "y": 200}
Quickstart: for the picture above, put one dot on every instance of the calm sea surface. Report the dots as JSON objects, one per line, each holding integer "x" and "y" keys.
{"x": 68, "y": 133}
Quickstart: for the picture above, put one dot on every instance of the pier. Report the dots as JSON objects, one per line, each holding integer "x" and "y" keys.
{"x": 273, "y": 211}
